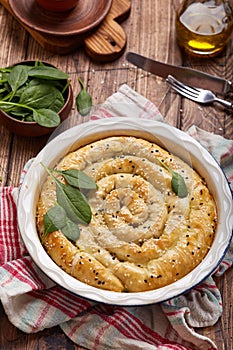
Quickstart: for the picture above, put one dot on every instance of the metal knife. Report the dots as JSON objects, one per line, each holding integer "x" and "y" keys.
{"x": 186, "y": 75}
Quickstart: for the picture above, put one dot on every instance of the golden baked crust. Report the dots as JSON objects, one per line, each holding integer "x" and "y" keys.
{"x": 142, "y": 236}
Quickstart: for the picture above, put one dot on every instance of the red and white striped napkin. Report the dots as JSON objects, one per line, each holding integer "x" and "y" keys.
{"x": 33, "y": 302}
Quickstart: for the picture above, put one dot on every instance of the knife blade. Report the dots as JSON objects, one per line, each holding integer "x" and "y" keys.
{"x": 186, "y": 75}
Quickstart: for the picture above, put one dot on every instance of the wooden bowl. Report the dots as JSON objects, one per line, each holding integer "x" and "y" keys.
{"x": 82, "y": 19}
{"x": 57, "y": 5}
{"x": 32, "y": 129}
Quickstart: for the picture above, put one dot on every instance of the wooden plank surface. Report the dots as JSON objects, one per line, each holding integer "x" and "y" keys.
{"x": 150, "y": 31}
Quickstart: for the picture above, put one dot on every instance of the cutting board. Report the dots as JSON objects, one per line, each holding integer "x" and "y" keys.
{"x": 105, "y": 43}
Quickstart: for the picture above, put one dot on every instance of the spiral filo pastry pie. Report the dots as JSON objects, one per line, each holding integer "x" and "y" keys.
{"x": 142, "y": 235}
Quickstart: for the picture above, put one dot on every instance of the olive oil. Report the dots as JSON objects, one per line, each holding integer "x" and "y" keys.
{"x": 204, "y": 27}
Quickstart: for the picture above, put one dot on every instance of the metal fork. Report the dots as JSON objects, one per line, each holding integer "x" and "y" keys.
{"x": 195, "y": 94}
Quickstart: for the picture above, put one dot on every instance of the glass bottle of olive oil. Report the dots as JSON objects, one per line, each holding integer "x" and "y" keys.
{"x": 204, "y": 27}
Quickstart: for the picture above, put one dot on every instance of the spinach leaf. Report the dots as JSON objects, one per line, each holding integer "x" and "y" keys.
{"x": 46, "y": 72}
{"x": 59, "y": 84}
{"x": 58, "y": 103}
{"x": 78, "y": 178}
{"x": 71, "y": 230}
{"x": 83, "y": 100}
{"x": 20, "y": 112}
{"x": 56, "y": 100}
{"x": 46, "y": 117}
{"x": 17, "y": 77}
{"x": 5, "y": 70}
{"x": 43, "y": 116}
{"x": 74, "y": 203}
{"x": 72, "y": 200}
{"x": 40, "y": 96}
{"x": 72, "y": 207}
{"x": 4, "y": 105}
{"x": 178, "y": 185}
{"x": 177, "y": 182}
{"x": 56, "y": 219}
{"x": 2, "y": 90}
{"x": 28, "y": 118}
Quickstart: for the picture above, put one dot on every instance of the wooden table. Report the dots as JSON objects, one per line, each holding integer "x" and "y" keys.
{"x": 150, "y": 31}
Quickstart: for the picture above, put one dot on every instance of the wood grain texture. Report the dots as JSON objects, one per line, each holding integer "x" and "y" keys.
{"x": 108, "y": 42}
{"x": 150, "y": 31}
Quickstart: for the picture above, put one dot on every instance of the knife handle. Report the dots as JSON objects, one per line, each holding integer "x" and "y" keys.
{"x": 228, "y": 87}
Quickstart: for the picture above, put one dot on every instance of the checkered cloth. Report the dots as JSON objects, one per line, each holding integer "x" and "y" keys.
{"x": 33, "y": 302}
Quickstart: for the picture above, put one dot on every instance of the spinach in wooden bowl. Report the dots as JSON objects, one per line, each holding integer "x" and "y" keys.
{"x": 34, "y": 92}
